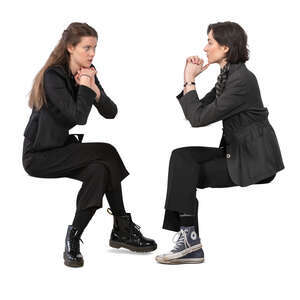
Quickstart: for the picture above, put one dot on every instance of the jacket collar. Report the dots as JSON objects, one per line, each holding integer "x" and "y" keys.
{"x": 65, "y": 71}
{"x": 234, "y": 67}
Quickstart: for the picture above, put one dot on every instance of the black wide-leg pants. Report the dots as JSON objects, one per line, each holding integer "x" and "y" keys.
{"x": 191, "y": 168}
{"x": 97, "y": 165}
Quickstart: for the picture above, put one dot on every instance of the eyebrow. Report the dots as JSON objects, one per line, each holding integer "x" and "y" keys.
{"x": 89, "y": 46}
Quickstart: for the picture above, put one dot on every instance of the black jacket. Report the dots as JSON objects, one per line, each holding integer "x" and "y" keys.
{"x": 250, "y": 142}
{"x": 67, "y": 105}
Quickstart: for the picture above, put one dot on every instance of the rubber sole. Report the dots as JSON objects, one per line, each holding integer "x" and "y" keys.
{"x": 118, "y": 245}
{"x": 162, "y": 259}
{"x": 183, "y": 261}
{"x": 72, "y": 264}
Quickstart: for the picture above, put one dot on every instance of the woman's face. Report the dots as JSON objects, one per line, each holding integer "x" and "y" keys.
{"x": 214, "y": 51}
{"x": 83, "y": 53}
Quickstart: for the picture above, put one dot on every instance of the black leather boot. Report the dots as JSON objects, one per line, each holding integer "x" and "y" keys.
{"x": 72, "y": 255}
{"x": 127, "y": 234}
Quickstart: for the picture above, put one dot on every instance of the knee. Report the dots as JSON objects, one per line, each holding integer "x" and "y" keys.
{"x": 179, "y": 153}
{"x": 29, "y": 169}
{"x": 108, "y": 147}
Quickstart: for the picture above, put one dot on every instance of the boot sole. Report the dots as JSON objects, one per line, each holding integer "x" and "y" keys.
{"x": 118, "y": 245}
{"x": 72, "y": 263}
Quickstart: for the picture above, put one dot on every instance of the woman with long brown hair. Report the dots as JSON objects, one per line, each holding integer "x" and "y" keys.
{"x": 63, "y": 93}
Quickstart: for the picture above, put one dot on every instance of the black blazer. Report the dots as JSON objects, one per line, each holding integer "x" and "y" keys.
{"x": 250, "y": 142}
{"x": 49, "y": 127}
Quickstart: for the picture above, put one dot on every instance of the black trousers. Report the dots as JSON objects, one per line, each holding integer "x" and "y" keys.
{"x": 97, "y": 165}
{"x": 191, "y": 168}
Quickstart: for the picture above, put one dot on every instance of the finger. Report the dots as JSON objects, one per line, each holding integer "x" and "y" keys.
{"x": 205, "y": 67}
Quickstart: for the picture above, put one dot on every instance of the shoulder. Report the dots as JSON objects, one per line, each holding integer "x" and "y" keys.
{"x": 55, "y": 74}
{"x": 242, "y": 76}
{"x": 57, "y": 70}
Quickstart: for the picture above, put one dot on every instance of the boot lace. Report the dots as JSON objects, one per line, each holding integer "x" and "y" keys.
{"x": 74, "y": 243}
{"x": 135, "y": 228}
{"x": 182, "y": 240}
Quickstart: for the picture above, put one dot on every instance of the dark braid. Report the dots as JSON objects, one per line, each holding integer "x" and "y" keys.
{"x": 222, "y": 78}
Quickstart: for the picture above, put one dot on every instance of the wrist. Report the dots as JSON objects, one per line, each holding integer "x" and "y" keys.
{"x": 187, "y": 83}
{"x": 189, "y": 78}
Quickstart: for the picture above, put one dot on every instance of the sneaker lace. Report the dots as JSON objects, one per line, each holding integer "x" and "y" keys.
{"x": 182, "y": 240}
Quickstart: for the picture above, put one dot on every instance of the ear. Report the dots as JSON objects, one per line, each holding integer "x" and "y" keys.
{"x": 226, "y": 49}
{"x": 70, "y": 48}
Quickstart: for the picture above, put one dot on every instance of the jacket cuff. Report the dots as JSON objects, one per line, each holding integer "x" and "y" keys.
{"x": 182, "y": 98}
{"x": 87, "y": 92}
{"x": 179, "y": 95}
{"x": 100, "y": 102}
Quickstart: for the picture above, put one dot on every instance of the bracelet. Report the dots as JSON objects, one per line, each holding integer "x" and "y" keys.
{"x": 189, "y": 83}
{"x": 85, "y": 75}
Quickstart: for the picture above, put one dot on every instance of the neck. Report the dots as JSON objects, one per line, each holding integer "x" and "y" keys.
{"x": 73, "y": 67}
{"x": 222, "y": 63}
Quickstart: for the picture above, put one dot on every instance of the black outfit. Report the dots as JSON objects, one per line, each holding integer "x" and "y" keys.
{"x": 248, "y": 153}
{"x": 50, "y": 152}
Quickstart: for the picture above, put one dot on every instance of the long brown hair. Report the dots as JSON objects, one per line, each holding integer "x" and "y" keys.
{"x": 59, "y": 56}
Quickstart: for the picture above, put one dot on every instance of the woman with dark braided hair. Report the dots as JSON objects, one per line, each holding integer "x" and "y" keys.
{"x": 248, "y": 153}
{"x": 63, "y": 93}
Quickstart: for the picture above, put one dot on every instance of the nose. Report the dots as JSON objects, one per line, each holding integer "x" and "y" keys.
{"x": 92, "y": 53}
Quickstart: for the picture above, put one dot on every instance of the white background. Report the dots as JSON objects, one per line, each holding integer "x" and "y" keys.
{"x": 250, "y": 235}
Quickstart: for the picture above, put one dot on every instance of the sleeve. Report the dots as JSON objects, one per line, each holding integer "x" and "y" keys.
{"x": 207, "y": 99}
{"x": 211, "y": 109}
{"x": 58, "y": 94}
{"x": 105, "y": 106}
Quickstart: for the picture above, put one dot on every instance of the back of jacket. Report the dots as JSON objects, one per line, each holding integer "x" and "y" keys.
{"x": 66, "y": 107}
{"x": 249, "y": 140}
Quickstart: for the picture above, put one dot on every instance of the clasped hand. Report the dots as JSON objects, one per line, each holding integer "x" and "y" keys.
{"x": 91, "y": 72}
{"x": 193, "y": 67}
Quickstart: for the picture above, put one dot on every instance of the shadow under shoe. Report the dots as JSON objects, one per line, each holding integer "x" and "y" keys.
{"x": 72, "y": 255}
{"x": 127, "y": 234}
